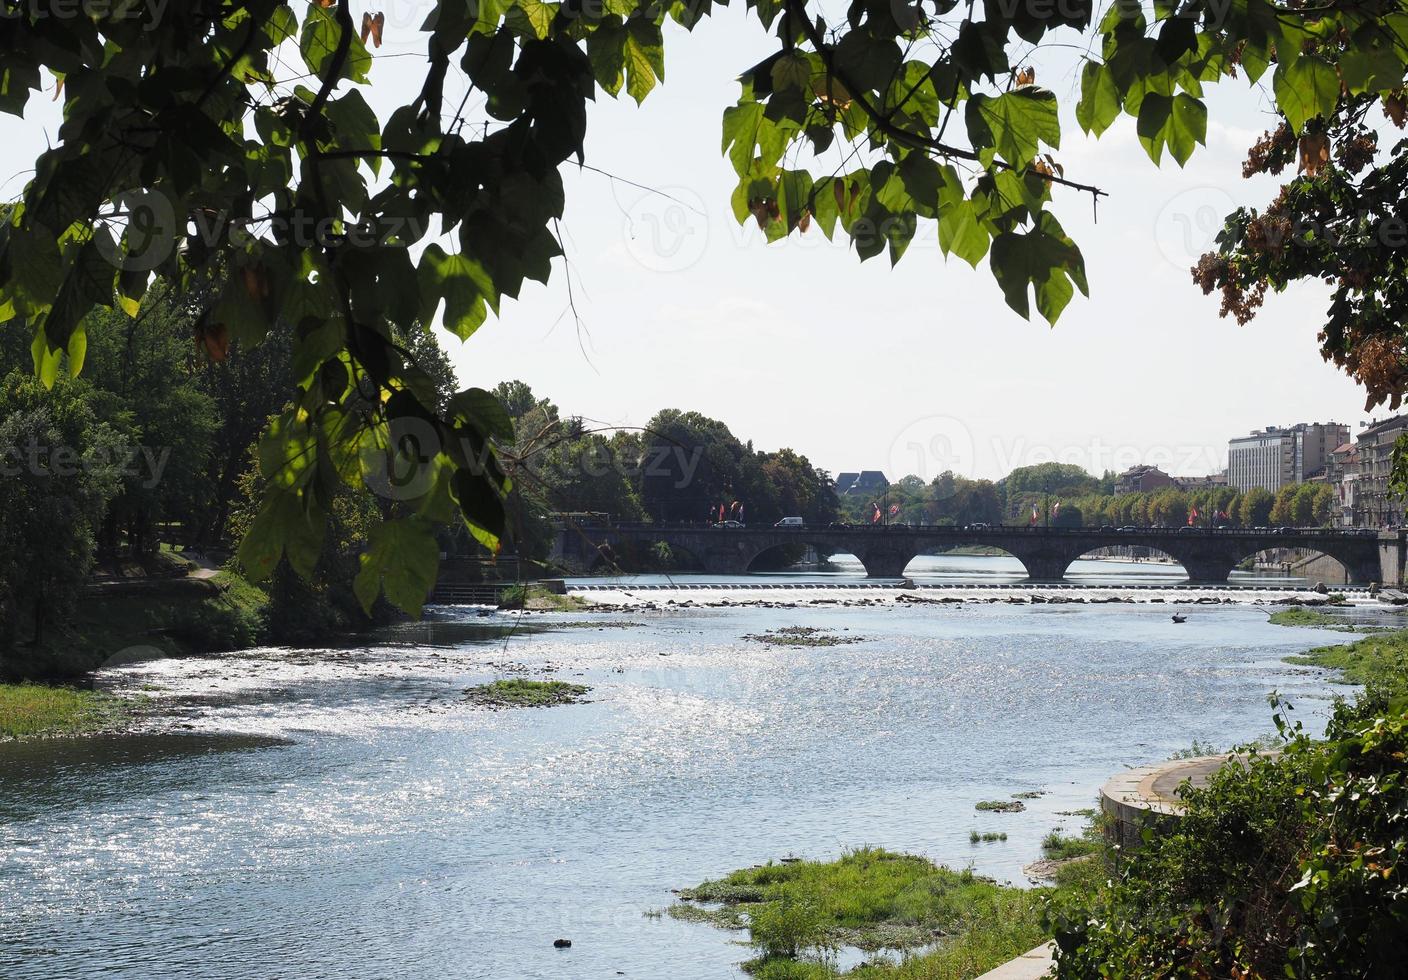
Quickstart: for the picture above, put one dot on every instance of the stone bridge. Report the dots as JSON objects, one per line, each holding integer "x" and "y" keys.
{"x": 1206, "y": 554}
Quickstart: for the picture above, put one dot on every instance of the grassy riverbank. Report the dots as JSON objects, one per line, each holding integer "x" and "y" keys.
{"x": 1382, "y": 658}
{"x": 28, "y": 710}
{"x": 941, "y": 924}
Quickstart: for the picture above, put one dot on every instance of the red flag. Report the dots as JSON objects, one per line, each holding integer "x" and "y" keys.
{"x": 721, "y": 513}
{"x": 894, "y": 509}
{"x": 1192, "y": 516}
{"x": 734, "y": 508}
{"x": 1034, "y": 515}
{"x": 875, "y": 519}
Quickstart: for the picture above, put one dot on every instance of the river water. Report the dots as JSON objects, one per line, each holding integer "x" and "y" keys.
{"x": 345, "y": 814}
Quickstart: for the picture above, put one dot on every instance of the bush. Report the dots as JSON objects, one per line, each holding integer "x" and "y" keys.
{"x": 1291, "y": 866}
{"x": 787, "y": 928}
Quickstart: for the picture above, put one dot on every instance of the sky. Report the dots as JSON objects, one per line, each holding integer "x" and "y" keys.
{"x": 917, "y": 368}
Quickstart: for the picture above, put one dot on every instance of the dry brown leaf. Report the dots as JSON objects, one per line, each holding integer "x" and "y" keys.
{"x": 1396, "y": 108}
{"x": 1314, "y": 153}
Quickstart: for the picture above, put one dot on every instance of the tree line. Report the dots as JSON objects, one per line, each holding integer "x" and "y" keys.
{"x": 1065, "y": 495}
{"x": 680, "y": 467}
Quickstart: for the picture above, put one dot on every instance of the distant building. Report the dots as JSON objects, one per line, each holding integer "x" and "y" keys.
{"x": 1343, "y": 475}
{"x": 1272, "y": 457}
{"x": 1142, "y": 479}
{"x": 1209, "y": 482}
{"x": 862, "y": 483}
{"x": 1372, "y": 503}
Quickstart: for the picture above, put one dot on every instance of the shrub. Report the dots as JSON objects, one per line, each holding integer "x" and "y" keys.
{"x": 1292, "y": 866}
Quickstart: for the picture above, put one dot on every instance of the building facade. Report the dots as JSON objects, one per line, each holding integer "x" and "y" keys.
{"x": 1372, "y": 502}
{"x": 1272, "y": 457}
{"x": 1142, "y": 479}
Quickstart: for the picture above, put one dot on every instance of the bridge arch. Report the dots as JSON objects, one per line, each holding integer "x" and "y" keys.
{"x": 760, "y": 561}
{"x": 1358, "y": 569}
{"x": 1104, "y": 553}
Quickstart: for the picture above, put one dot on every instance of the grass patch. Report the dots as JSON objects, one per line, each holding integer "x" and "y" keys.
{"x": 1380, "y": 657}
{"x": 950, "y": 925}
{"x": 801, "y": 636}
{"x": 538, "y": 599}
{"x": 1000, "y": 806}
{"x": 1061, "y": 847}
{"x": 1310, "y": 617}
{"x": 987, "y": 837}
{"x": 519, "y": 693}
{"x": 28, "y": 710}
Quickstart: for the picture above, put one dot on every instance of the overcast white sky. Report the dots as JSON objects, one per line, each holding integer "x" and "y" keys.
{"x": 917, "y": 368}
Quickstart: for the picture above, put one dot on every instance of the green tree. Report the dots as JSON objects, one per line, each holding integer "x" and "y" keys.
{"x": 61, "y": 467}
{"x": 1254, "y": 509}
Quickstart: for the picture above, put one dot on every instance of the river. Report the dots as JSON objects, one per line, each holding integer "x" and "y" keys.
{"x": 344, "y": 814}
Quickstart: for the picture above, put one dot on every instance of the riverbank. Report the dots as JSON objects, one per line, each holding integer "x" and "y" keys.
{"x": 36, "y": 710}
{"x": 117, "y": 620}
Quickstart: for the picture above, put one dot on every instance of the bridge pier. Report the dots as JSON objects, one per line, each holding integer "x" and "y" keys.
{"x": 1045, "y": 568}
{"x": 1211, "y": 571}
{"x": 885, "y": 562}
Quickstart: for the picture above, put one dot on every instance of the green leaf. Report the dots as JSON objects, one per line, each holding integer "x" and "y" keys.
{"x": 961, "y": 233}
{"x": 538, "y": 16}
{"x": 77, "y": 350}
{"x": 1099, "y": 104}
{"x": 402, "y": 559}
{"x": 282, "y": 526}
{"x": 1044, "y": 258}
{"x": 1178, "y": 123}
{"x": 1306, "y": 89}
{"x": 606, "y": 49}
{"x": 318, "y": 45}
{"x": 791, "y": 71}
{"x": 482, "y": 410}
{"x": 1014, "y": 123}
{"x": 645, "y": 57}
{"x": 463, "y": 283}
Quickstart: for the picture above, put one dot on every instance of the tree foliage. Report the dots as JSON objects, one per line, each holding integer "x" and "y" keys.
{"x": 196, "y": 147}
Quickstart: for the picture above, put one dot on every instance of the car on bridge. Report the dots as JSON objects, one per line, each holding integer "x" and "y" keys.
{"x": 729, "y": 524}
{"x": 790, "y": 522}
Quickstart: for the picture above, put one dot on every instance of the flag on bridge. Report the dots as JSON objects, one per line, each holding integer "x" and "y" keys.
{"x": 875, "y": 519}
{"x": 1056, "y": 511}
{"x": 1034, "y": 515}
{"x": 1193, "y": 517}
{"x": 894, "y": 509}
